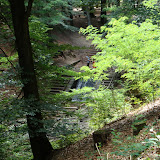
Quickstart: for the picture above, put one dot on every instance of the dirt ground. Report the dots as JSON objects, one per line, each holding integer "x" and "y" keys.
{"x": 74, "y": 39}
{"x": 85, "y": 150}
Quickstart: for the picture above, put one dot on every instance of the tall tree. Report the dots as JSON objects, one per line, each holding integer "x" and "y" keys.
{"x": 88, "y": 8}
{"x": 40, "y": 144}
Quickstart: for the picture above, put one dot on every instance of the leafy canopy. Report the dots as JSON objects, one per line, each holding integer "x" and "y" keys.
{"x": 130, "y": 48}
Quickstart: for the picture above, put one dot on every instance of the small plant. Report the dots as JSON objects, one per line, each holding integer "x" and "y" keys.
{"x": 154, "y": 141}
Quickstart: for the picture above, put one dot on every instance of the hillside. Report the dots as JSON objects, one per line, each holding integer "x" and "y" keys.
{"x": 85, "y": 149}
{"x": 143, "y": 119}
{"x": 126, "y": 138}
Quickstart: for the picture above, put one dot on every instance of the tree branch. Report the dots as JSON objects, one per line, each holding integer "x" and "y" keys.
{"x": 6, "y": 21}
{"x": 29, "y": 7}
{"x": 19, "y": 93}
{"x": 7, "y": 58}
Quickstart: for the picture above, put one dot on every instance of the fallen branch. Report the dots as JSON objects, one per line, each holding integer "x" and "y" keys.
{"x": 98, "y": 151}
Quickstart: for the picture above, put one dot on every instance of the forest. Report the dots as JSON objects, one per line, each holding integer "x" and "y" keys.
{"x": 79, "y": 80}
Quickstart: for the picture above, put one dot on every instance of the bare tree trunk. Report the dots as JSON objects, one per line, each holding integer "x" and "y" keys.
{"x": 87, "y": 14}
{"x": 88, "y": 18}
{"x": 70, "y": 9}
{"x": 40, "y": 144}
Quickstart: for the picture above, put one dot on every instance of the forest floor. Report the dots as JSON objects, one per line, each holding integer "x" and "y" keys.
{"x": 149, "y": 114}
{"x": 74, "y": 38}
{"x": 125, "y": 138}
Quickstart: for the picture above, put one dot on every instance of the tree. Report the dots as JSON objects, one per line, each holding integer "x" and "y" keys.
{"x": 87, "y": 7}
{"x": 103, "y": 12}
{"x": 53, "y": 13}
{"x": 134, "y": 51}
{"x": 40, "y": 145}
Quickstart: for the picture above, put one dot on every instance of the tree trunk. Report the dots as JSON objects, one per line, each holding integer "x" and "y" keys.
{"x": 88, "y": 18}
{"x": 70, "y": 9}
{"x": 103, "y": 5}
{"x": 40, "y": 144}
{"x": 91, "y": 10}
{"x": 87, "y": 14}
{"x": 71, "y": 19}
{"x": 117, "y": 3}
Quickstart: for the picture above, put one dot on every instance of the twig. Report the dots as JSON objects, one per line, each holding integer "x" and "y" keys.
{"x": 6, "y": 21}
{"x": 19, "y": 93}
{"x": 7, "y": 58}
{"x": 98, "y": 151}
{"x": 130, "y": 157}
{"x": 107, "y": 156}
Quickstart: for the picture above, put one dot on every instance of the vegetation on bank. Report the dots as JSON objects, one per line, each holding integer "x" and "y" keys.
{"x": 31, "y": 115}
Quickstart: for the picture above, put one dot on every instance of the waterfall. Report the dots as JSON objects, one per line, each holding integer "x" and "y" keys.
{"x": 81, "y": 84}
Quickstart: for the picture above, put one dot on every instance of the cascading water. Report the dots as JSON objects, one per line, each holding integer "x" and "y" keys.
{"x": 81, "y": 84}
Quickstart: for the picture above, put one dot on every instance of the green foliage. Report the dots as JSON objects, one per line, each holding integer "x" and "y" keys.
{"x": 5, "y": 61}
{"x": 13, "y": 137}
{"x": 44, "y": 53}
{"x": 129, "y": 146}
{"x": 53, "y": 13}
{"x": 133, "y": 50}
{"x": 14, "y": 145}
{"x": 3, "y": 139}
{"x": 155, "y": 138}
{"x": 87, "y": 3}
{"x": 151, "y": 3}
{"x": 135, "y": 11}
{"x": 105, "y": 106}
{"x": 67, "y": 140}
{"x": 134, "y": 147}
{"x": 101, "y": 106}
{"x": 6, "y": 29}
{"x": 12, "y": 106}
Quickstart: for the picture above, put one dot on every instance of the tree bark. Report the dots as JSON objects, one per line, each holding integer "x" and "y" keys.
{"x": 40, "y": 144}
{"x": 87, "y": 14}
{"x": 88, "y": 18}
